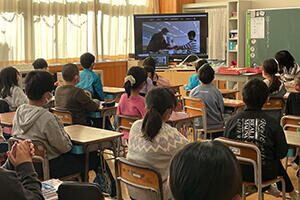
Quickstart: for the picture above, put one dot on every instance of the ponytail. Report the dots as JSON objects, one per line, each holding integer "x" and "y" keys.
{"x": 127, "y": 87}
{"x": 152, "y": 123}
{"x": 158, "y": 101}
{"x": 275, "y": 84}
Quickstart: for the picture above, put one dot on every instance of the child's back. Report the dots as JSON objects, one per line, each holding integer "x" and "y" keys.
{"x": 89, "y": 80}
{"x": 211, "y": 96}
{"x": 194, "y": 81}
{"x": 131, "y": 103}
{"x": 293, "y": 101}
{"x": 10, "y": 90}
{"x": 72, "y": 98}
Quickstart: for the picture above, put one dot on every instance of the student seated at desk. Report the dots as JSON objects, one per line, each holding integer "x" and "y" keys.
{"x": 153, "y": 142}
{"x": 74, "y": 99}
{"x": 131, "y": 103}
{"x": 276, "y": 87}
{"x": 34, "y": 122}
{"x": 9, "y": 88}
{"x": 19, "y": 181}
{"x": 150, "y": 67}
{"x": 194, "y": 81}
{"x": 288, "y": 67}
{"x": 293, "y": 101}
{"x": 205, "y": 171}
{"x": 89, "y": 80}
{"x": 256, "y": 126}
{"x": 211, "y": 96}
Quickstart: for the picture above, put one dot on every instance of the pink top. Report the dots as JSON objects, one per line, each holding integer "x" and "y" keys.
{"x": 133, "y": 106}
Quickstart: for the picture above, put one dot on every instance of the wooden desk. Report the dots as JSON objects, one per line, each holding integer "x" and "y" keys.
{"x": 293, "y": 139}
{"x": 240, "y": 79}
{"x": 7, "y": 119}
{"x": 93, "y": 139}
{"x": 115, "y": 91}
{"x": 180, "y": 120}
{"x": 233, "y": 103}
{"x": 228, "y": 92}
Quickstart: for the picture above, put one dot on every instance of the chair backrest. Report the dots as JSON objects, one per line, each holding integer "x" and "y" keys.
{"x": 64, "y": 115}
{"x": 4, "y": 107}
{"x": 246, "y": 153}
{"x": 40, "y": 155}
{"x": 125, "y": 122}
{"x": 291, "y": 127}
{"x": 291, "y": 120}
{"x": 195, "y": 106}
{"x": 139, "y": 176}
{"x": 79, "y": 191}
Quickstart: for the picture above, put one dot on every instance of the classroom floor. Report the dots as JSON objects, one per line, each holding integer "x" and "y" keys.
{"x": 291, "y": 172}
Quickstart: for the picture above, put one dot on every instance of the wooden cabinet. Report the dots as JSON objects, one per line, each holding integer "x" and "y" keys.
{"x": 172, "y": 6}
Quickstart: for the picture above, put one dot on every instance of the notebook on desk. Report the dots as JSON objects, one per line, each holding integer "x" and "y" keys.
{"x": 162, "y": 60}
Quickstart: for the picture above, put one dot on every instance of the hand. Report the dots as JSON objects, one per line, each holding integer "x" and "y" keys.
{"x": 21, "y": 152}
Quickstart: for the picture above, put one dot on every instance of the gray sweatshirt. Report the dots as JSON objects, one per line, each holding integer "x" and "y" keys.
{"x": 37, "y": 123}
{"x": 214, "y": 103}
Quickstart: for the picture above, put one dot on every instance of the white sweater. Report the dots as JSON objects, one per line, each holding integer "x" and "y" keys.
{"x": 16, "y": 99}
{"x": 156, "y": 154}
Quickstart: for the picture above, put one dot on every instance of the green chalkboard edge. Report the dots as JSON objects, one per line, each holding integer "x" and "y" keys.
{"x": 248, "y": 60}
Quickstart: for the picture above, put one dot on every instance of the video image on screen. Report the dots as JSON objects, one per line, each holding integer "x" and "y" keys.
{"x": 174, "y": 37}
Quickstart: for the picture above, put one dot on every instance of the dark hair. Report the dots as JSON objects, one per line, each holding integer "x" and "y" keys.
{"x": 255, "y": 93}
{"x": 158, "y": 100}
{"x": 205, "y": 171}
{"x": 284, "y": 58}
{"x": 206, "y": 74}
{"x": 270, "y": 67}
{"x": 40, "y": 63}
{"x": 149, "y": 61}
{"x": 86, "y": 60}
{"x": 150, "y": 66}
{"x": 140, "y": 77}
{"x": 200, "y": 63}
{"x": 37, "y": 83}
{"x": 69, "y": 71}
{"x": 8, "y": 79}
{"x": 192, "y": 34}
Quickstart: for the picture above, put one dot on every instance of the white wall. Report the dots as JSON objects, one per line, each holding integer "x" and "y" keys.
{"x": 255, "y": 4}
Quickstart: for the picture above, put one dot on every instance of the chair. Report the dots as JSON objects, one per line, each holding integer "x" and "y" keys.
{"x": 138, "y": 176}
{"x": 64, "y": 115}
{"x": 79, "y": 191}
{"x": 41, "y": 157}
{"x": 248, "y": 153}
{"x": 274, "y": 107}
{"x": 290, "y": 123}
{"x": 196, "y": 106}
{"x": 124, "y": 123}
{"x": 4, "y": 107}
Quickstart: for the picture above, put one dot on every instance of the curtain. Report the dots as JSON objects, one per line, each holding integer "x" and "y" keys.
{"x": 217, "y": 27}
{"x": 64, "y": 29}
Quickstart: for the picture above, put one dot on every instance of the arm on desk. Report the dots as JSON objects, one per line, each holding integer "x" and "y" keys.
{"x": 86, "y": 102}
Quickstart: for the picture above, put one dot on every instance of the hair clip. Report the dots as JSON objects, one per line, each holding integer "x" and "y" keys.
{"x": 131, "y": 79}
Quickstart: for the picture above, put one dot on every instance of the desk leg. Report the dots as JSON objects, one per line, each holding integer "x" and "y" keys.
{"x": 86, "y": 164}
{"x": 116, "y": 148}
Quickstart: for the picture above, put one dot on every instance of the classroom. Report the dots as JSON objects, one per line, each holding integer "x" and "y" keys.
{"x": 149, "y": 99}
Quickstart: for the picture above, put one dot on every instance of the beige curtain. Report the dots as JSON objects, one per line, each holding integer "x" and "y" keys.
{"x": 217, "y": 28}
{"x": 59, "y": 29}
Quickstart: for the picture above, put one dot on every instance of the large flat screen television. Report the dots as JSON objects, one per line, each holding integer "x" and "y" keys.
{"x": 176, "y": 34}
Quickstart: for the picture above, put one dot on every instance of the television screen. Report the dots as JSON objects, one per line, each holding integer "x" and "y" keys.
{"x": 176, "y": 34}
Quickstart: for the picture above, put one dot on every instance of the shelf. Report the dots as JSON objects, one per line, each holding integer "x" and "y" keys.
{"x": 232, "y": 51}
{"x": 233, "y": 18}
{"x": 233, "y": 39}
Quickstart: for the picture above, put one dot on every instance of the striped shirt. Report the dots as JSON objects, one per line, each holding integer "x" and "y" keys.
{"x": 191, "y": 46}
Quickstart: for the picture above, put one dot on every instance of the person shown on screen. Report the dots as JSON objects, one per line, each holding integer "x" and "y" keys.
{"x": 191, "y": 46}
{"x": 158, "y": 41}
